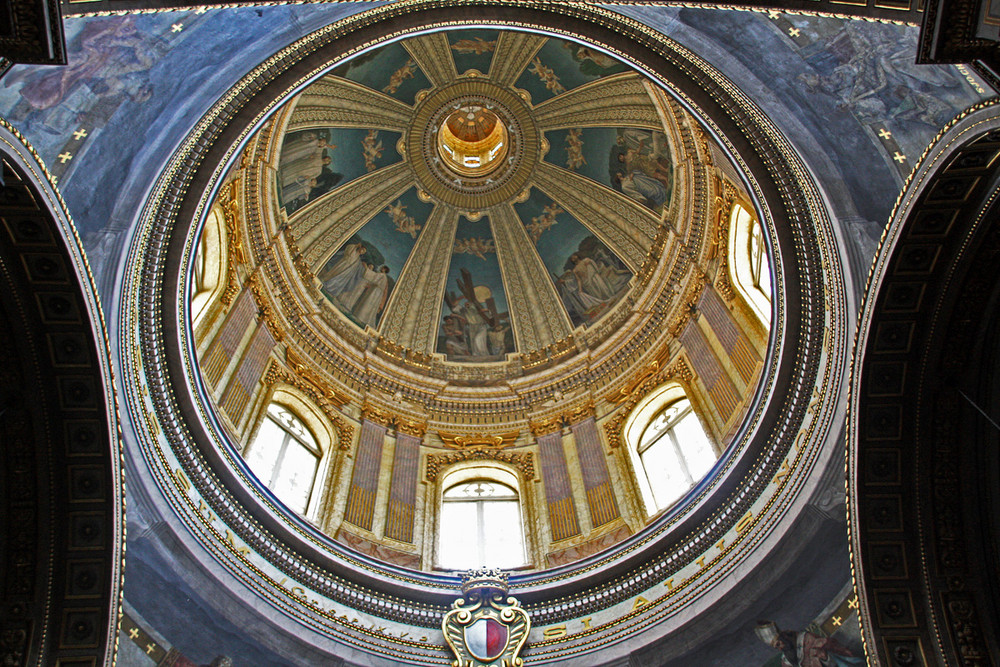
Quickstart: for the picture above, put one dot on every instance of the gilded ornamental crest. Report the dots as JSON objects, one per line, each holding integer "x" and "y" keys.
{"x": 486, "y": 628}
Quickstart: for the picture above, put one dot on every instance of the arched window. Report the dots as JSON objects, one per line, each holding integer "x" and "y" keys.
{"x": 209, "y": 264}
{"x": 480, "y": 520}
{"x": 670, "y": 449}
{"x": 674, "y": 452}
{"x": 750, "y": 270}
{"x": 284, "y": 457}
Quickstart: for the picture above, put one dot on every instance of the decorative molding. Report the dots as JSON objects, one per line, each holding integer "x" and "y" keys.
{"x": 630, "y": 395}
{"x": 265, "y": 311}
{"x": 568, "y": 416}
{"x": 524, "y": 462}
{"x": 466, "y": 441}
{"x": 229, "y": 202}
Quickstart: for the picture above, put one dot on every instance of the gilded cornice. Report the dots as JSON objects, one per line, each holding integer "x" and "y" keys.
{"x": 392, "y": 419}
{"x": 550, "y": 423}
{"x": 478, "y": 440}
{"x": 523, "y": 462}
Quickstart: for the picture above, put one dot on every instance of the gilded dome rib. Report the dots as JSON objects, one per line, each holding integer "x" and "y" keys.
{"x": 341, "y": 213}
{"x": 619, "y": 100}
{"x": 432, "y": 54}
{"x": 513, "y": 53}
{"x": 337, "y": 102}
{"x": 539, "y": 318}
{"x": 411, "y": 319}
{"x": 622, "y": 224}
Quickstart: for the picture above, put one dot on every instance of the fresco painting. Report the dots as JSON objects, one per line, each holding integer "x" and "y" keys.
{"x": 109, "y": 67}
{"x": 359, "y": 278}
{"x": 813, "y": 646}
{"x": 390, "y": 69}
{"x": 561, "y": 65}
{"x": 472, "y": 49}
{"x": 639, "y": 162}
{"x": 832, "y": 77}
{"x": 588, "y": 276}
{"x": 475, "y": 323}
{"x": 314, "y": 162}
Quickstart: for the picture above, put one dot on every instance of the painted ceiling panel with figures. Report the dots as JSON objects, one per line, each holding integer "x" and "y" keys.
{"x": 467, "y": 123}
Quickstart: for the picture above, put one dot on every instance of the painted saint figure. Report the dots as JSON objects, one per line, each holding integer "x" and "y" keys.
{"x": 344, "y": 275}
{"x": 805, "y": 649}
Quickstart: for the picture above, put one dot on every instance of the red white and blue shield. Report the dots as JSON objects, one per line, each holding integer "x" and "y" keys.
{"x": 486, "y": 639}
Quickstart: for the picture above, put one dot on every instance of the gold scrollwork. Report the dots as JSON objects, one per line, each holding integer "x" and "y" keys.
{"x": 478, "y": 440}
{"x": 524, "y": 462}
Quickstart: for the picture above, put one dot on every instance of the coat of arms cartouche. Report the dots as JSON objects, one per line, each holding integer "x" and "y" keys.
{"x": 485, "y": 628}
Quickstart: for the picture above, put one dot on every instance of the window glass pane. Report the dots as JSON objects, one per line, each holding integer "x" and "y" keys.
{"x": 503, "y": 541}
{"x": 758, "y": 261}
{"x": 459, "y": 548}
{"x": 263, "y": 453}
{"x": 663, "y": 470}
{"x": 695, "y": 446}
{"x": 294, "y": 479}
{"x": 480, "y": 488}
{"x": 291, "y": 424}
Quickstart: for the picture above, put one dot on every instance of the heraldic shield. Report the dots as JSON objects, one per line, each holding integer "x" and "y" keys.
{"x": 486, "y": 628}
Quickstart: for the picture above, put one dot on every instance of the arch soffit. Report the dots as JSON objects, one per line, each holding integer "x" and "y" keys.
{"x": 909, "y": 488}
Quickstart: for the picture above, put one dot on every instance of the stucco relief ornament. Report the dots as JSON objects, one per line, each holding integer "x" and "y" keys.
{"x": 486, "y": 628}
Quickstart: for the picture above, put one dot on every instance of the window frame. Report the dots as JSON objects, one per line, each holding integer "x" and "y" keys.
{"x": 641, "y": 419}
{"x": 467, "y": 474}
{"x": 316, "y": 424}
{"x": 743, "y": 254}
